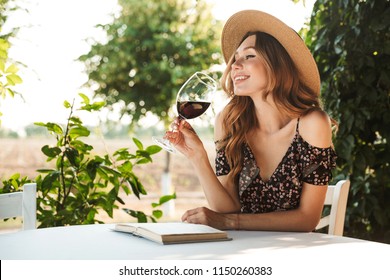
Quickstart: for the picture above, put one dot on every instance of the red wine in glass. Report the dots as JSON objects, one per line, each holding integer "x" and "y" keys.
{"x": 192, "y": 109}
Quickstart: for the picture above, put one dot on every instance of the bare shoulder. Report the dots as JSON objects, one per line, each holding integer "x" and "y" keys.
{"x": 315, "y": 128}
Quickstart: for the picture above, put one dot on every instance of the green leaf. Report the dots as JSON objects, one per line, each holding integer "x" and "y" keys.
{"x": 51, "y": 151}
{"x": 126, "y": 167}
{"x": 138, "y": 144}
{"x": 92, "y": 167}
{"x": 85, "y": 98}
{"x": 110, "y": 170}
{"x": 43, "y": 170}
{"x": 145, "y": 157}
{"x": 67, "y": 104}
{"x": 72, "y": 155}
{"x": 126, "y": 189}
{"x": 96, "y": 106}
{"x": 157, "y": 213}
{"x": 143, "y": 161}
{"x": 53, "y": 127}
{"x": 12, "y": 69}
{"x": 80, "y": 131}
{"x": 40, "y": 124}
{"x": 15, "y": 176}
{"x": 4, "y": 44}
{"x": 75, "y": 120}
{"x": 9, "y": 81}
{"x": 120, "y": 200}
{"x": 136, "y": 186}
{"x": 14, "y": 79}
{"x": 81, "y": 146}
{"x": 164, "y": 199}
{"x": 91, "y": 214}
{"x": 141, "y": 217}
{"x": 48, "y": 182}
{"x": 154, "y": 149}
{"x": 10, "y": 92}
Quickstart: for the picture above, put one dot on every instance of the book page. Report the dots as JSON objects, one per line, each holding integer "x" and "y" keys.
{"x": 178, "y": 228}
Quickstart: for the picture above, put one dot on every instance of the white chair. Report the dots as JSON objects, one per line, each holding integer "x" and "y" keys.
{"x": 20, "y": 204}
{"x": 336, "y": 198}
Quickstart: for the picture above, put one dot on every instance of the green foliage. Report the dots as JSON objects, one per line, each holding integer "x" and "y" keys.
{"x": 13, "y": 183}
{"x": 82, "y": 183}
{"x": 153, "y": 47}
{"x": 3, "y": 9}
{"x": 8, "y": 72}
{"x": 351, "y": 44}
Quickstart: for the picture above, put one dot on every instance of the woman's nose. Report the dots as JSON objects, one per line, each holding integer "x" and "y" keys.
{"x": 237, "y": 64}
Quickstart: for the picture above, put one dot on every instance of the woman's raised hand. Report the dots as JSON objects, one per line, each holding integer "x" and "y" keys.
{"x": 184, "y": 138}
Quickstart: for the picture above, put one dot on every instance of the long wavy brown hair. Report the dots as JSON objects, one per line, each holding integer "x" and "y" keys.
{"x": 290, "y": 95}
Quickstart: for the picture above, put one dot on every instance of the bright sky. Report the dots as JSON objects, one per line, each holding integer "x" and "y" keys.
{"x": 56, "y": 39}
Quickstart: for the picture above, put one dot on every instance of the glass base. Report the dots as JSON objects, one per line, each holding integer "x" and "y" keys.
{"x": 165, "y": 144}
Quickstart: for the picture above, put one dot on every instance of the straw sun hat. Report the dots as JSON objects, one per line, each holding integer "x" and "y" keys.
{"x": 239, "y": 24}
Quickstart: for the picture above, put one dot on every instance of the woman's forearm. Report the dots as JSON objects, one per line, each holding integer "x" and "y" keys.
{"x": 217, "y": 195}
{"x": 292, "y": 220}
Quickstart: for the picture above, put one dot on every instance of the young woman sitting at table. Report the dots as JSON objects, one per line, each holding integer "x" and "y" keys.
{"x": 273, "y": 140}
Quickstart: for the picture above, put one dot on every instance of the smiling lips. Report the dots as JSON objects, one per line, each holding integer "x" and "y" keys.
{"x": 239, "y": 78}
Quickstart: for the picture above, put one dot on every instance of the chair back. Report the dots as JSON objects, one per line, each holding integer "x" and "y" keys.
{"x": 20, "y": 204}
{"x": 336, "y": 198}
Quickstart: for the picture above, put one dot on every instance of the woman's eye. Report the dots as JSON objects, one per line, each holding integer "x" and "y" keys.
{"x": 249, "y": 56}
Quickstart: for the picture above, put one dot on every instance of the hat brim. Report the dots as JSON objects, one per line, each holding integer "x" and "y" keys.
{"x": 239, "y": 24}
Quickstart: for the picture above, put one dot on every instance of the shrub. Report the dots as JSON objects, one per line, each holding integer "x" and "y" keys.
{"x": 81, "y": 184}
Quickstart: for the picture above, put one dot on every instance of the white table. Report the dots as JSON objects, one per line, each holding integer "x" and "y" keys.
{"x": 294, "y": 250}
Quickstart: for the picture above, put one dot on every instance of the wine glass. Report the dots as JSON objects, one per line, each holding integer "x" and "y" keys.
{"x": 193, "y": 99}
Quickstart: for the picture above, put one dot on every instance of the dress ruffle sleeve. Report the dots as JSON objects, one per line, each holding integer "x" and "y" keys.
{"x": 317, "y": 164}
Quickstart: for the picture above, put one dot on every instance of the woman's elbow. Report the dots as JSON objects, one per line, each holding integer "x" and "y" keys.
{"x": 309, "y": 225}
{"x": 308, "y": 228}
{"x": 305, "y": 222}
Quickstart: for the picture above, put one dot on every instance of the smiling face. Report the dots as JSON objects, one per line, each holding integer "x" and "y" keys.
{"x": 248, "y": 72}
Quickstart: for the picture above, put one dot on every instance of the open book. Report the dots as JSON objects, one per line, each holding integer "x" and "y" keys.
{"x": 173, "y": 233}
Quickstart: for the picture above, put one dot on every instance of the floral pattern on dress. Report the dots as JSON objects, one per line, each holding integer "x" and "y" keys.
{"x": 301, "y": 163}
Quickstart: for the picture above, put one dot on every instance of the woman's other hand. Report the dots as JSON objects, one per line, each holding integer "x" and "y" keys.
{"x": 205, "y": 216}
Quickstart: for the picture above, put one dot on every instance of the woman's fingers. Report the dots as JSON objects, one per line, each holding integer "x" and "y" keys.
{"x": 184, "y": 124}
{"x": 182, "y": 134}
{"x": 201, "y": 215}
{"x": 173, "y": 136}
{"x": 193, "y": 215}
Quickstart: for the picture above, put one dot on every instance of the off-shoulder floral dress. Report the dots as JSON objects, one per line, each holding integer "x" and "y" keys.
{"x": 301, "y": 163}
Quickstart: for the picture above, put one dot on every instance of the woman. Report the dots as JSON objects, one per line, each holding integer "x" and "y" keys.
{"x": 273, "y": 140}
